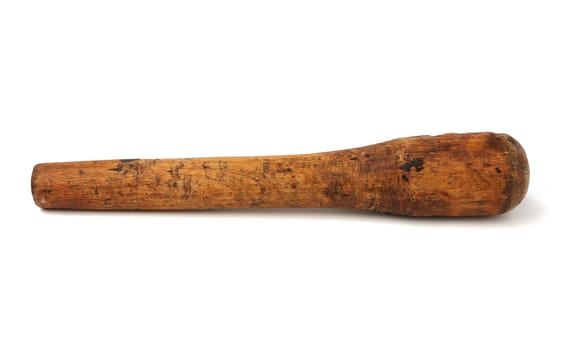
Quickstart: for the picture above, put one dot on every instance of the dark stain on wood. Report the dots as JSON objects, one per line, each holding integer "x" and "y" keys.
{"x": 118, "y": 168}
{"x": 416, "y": 163}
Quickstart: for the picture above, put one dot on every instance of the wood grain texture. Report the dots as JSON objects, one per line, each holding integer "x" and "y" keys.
{"x": 473, "y": 174}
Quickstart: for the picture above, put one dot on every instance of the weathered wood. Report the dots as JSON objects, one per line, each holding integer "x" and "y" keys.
{"x": 449, "y": 175}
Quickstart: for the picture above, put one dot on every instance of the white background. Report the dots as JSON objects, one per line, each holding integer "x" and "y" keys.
{"x": 84, "y": 80}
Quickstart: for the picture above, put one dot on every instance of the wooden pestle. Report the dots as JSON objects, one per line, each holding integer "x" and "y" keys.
{"x": 474, "y": 174}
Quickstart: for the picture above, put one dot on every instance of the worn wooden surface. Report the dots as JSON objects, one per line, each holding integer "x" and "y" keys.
{"x": 448, "y": 175}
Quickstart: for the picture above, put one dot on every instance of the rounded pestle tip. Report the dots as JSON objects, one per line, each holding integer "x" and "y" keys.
{"x": 518, "y": 178}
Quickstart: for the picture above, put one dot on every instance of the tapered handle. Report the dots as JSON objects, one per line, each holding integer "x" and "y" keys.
{"x": 449, "y": 175}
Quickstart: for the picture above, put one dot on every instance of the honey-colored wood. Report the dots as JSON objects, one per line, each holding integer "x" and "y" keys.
{"x": 449, "y": 175}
